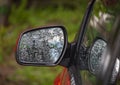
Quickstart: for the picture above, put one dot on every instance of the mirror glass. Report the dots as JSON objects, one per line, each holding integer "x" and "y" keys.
{"x": 96, "y": 51}
{"x": 95, "y": 57}
{"x": 41, "y": 45}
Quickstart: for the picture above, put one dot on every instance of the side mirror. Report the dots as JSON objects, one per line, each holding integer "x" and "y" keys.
{"x": 96, "y": 53}
{"x": 42, "y": 46}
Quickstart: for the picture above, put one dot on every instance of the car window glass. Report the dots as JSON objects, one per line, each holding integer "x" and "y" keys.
{"x": 100, "y": 25}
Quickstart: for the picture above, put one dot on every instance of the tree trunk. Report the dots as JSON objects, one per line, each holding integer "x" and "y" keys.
{"x": 5, "y": 6}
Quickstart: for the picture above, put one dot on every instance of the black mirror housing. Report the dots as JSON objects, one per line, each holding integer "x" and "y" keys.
{"x": 44, "y": 46}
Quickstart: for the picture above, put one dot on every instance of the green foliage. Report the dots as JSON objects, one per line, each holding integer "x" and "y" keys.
{"x": 36, "y": 75}
{"x": 1, "y": 57}
{"x": 3, "y": 9}
{"x": 19, "y": 14}
{"x": 88, "y": 78}
{"x": 5, "y": 42}
{"x": 22, "y": 18}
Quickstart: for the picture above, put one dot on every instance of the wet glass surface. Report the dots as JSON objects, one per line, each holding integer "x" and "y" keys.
{"x": 42, "y": 45}
{"x": 95, "y": 55}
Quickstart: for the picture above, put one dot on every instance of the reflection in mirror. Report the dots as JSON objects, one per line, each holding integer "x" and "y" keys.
{"x": 95, "y": 55}
{"x": 41, "y": 45}
{"x": 95, "y": 58}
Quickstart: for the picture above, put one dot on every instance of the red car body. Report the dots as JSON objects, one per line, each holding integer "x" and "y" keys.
{"x": 63, "y": 78}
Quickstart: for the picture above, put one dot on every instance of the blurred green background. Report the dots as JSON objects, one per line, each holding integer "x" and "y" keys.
{"x": 19, "y": 15}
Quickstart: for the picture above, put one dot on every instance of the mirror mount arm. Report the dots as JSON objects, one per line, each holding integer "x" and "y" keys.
{"x": 68, "y": 58}
{"x": 83, "y": 56}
